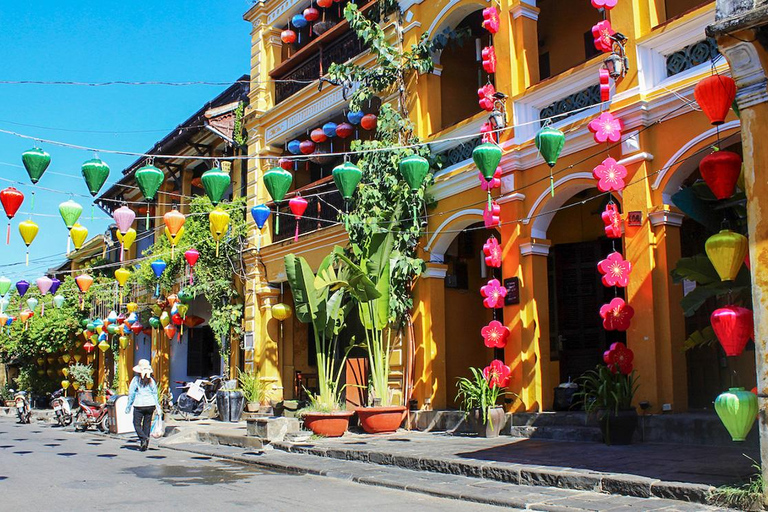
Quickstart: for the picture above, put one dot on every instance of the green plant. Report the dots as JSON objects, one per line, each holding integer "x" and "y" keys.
{"x": 605, "y": 390}
{"x": 254, "y": 389}
{"x": 5, "y": 392}
{"x": 31, "y": 380}
{"x": 748, "y": 496}
{"x": 82, "y": 374}
{"x": 476, "y": 393}
{"x": 319, "y": 300}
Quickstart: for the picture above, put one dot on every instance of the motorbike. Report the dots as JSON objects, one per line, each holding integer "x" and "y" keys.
{"x": 93, "y": 414}
{"x": 62, "y": 408}
{"x": 23, "y": 410}
{"x": 198, "y": 397}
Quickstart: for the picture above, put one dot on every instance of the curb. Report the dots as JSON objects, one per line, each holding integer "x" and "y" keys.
{"x": 520, "y": 474}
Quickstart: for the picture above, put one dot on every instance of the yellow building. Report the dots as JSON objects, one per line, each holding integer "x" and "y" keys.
{"x": 548, "y": 67}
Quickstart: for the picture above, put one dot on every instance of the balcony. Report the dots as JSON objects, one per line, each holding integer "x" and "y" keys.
{"x": 325, "y": 202}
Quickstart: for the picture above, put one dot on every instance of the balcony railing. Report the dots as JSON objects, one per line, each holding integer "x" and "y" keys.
{"x": 566, "y": 107}
{"x": 341, "y": 50}
{"x": 325, "y": 203}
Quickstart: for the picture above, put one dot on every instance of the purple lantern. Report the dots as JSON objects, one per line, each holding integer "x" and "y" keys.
{"x": 55, "y": 283}
{"x": 22, "y": 287}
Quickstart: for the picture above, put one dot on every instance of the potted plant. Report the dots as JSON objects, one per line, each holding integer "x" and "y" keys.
{"x": 479, "y": 396}
{"x": 319, "y": 300}
{"x": 254, "y": 390}
{"x": 371, "y": 295}
{"x": 608, "y": 391}
{"x": 6, "y": 395}
{"x": 81, "y": 376}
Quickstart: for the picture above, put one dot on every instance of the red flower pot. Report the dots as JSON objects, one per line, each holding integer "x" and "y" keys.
{"x": 328, "y": 424}
{"x": 378, "y": 420}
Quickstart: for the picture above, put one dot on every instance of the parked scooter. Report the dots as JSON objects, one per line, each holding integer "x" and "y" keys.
{"x": 62, "y": 408}
{"x": 93, "y": 414}
{"x": 23, "y": 410}
{"x": 198, "y": 397}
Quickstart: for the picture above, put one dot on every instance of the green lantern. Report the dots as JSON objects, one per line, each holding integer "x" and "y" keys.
{"x": 487, "y": 158}
{"x": 70, "y": 211}
{"x": 414, "y": 169}
{"x": 278, "y": 181}
{"x": 347, "y": 176}
{"x": 215, "y": 182}
{"x": 737, "y": 410}
{"x": 185, "y": 296}
{"x": 36, "y": 161}
{"x": 95, "y": 172}
{"x": 550, "y": 142}
{"x": 5, "y": 285}
{"x": 149, "y": 179}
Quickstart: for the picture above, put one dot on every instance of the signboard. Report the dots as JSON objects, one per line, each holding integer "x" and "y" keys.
{"x": 635, "y": 219}
{"x": 512, "y": 284}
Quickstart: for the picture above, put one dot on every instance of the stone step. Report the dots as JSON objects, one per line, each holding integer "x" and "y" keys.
{"x": 574, "y": 434}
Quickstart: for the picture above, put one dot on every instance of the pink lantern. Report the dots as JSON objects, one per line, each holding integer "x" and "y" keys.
{"x": 491, "y": 215}
{"x": 495, "y": 334}
{"x": 191, "y": 255}
{"x": 615, "y": 270}
{"x": 612, "y": 220}
{"x": 492, "y": 252}
{"x": 485, "y": 95}
{"x": 124, "y": 217}
{"x": 497, "y": 374}
{"x": 602, "y": 33}
{"x": 491, "y": 19}
{"x": 610, "y": 175}
{"x": 494, "y": 183}
{"x": 298, "y": 206}
{"x": 493, "y": 294}
{"x": 604, "y": 4}
{"x": 605, "y": 85}
{"x": 616, "y": 315}
{"x": 44, "y": 284}
{"x": 489, "y": 59}
{"x": 606, "y": 128}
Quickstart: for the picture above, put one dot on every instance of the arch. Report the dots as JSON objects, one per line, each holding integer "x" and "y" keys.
{"x": 440, "y": 240}
{"x": 444, "y": 20}
{"x": 678, "y": 177}
{"x": 565, "y": 188}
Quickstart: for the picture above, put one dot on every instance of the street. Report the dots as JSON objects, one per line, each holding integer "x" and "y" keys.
{"x": 48, "y": 468}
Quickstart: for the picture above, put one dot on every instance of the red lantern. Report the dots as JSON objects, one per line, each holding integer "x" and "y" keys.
{"x": 285, "y": 164}
{"x": 307, "y": 147}
{"x": 489, "y": 59}
{"x": 176, "y": 319}
{"x": 317, "y": 135}
{"x": 715, "y": 95}
{"x": 298, "y": 206}
{"x": 605, "y": 85}
{"x": 733, "y": 326}
{"x": 311, "y": 14}
{"x": 344, "y": 130}
{"x": 324, "y": 3}
{"x": 11, "y": 200}
{"x": 721, "y": 171}
{"x": 368, "y": 122}
{"x": 288, "y": 36}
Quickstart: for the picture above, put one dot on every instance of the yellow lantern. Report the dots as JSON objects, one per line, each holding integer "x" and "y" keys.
{"x": 65, "y": 358}
{"x": 127, "y": 239}
{"x": 78, "y": 357}
{"x": 124, "y": 342}
{"x": 103, "y": 346}
{"x": 65, "y": 384}
{"x": 281, "y": 311}
{"x": 51, "y": 359}
{"x": 219, "y": 220}
{"x": 727, "y": 251}
{"x": 40, "y": 361}
{"x": 78, "y": 234}
{"x": 122, "y": 276}
{"x": 65, "y": 371}
{"x": 28, "y": 230}
{"x": 50, "y": 372}
{"x": 174, "y": 239}
{"x": 75, "y": 385}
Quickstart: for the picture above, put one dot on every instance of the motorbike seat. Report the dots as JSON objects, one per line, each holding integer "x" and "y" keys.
{"x": 90, "y": 403}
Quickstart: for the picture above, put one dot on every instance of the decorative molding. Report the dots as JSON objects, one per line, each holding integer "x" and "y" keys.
{"x": 558, "y": 184}
{"x": 407, "y": 4}
{"x": 511, "y": 198}
{"x": 435, "y": 271}
{"x": 439, "y": 241}
{"x": 748, "y": 73}
{"x": 526, "y": 10}
{"x": 666, "y": 218}
{"x": 534, "y": 249}
{"x": 411, "y": 26}
{"x": 299, "y": 120}
{"x": 461, "y": 12}
{"x": 635, "y": 159}
{"x": 449, "y": 184}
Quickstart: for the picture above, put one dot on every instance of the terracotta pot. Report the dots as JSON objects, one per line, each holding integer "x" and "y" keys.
{"x": 377, "y": 420}
{"x": 497, "y": 418}
{"x": 328, "y": 424}
{"x": 252, "y": 407}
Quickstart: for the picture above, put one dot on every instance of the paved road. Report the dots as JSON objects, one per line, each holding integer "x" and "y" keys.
{"x": 46, "y": 468}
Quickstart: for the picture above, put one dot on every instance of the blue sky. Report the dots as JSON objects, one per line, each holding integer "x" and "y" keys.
{"x": 89, "y": 41}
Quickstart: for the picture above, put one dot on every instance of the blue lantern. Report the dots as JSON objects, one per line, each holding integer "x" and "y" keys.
{"x": 355, "y": 117}
{"x": 329, "y": 129}
{"x": 294, "y": 147}
{"x": 260, "y": 214}
{"x": 299, "y": 21}
{"x": 158, "y": 267}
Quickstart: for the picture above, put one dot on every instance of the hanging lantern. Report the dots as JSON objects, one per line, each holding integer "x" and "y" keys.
{"x": 281, "y": 312}
{"x": 277, "y": 181}
{"x": 317, "y": 135}
{"x": 174, "y": 223}
{"x": 492, "y": 215}
{"x": 344, "y": 130}
{"x": 347, "y": 177}
{"x": 285, "y": 163}
{"x": 127, "y": 239}
{"x": 219, "y": 223}
{"x": 260, "y": 214}
{"x": 95, "y": 172}
{"x": 288, "y": 36}
{"x": 606, "y": 128}
{"x": 617, "y": 315}
{"x": 70, "y": 211}
{"x": 734, "y": 327}
{"x": 44, "y": 286}
{"x": 299, "y": 21}
{"x": 58, "y": 301}
{"x": 35, "y": 161}
{"x": 491, "y": 19}
{"x": 298, "y": 206}
{"x": 170, "y": 331}
{"x": 329, "y": 129}
{"x": 489, "y": 59}
{"x": 215, "y": 182}
{"x": 32, "y": 303}
{"x": 610, "y": 175}
{"x": 715, "y": 95}
{"x": 307, "y": 147}
{"x": 149, "y": 179}
{"x": 123, "y": 341}
{"x": 355, "y": 117}
{"x": 122, "y": 275}
{"x": 103, "y": 346}
{"x": 605, "y": 84}
{"x": 65, "y": 383}
{"x": 615, "y": 270}
{"x": 28, "y": 230}
{"x": 721, "y": 171}
{"x": 124, "y": 217}
{"x": 55, "y": 283}
{"x": 311, "y": 14}
{"x": 158, "y": 267}
{"x": 493, "y": 294}
{"x": 11, "y": 200}
{"x": 550, "y": 142}
{"x": 487, "y": 157}
{"x": 22, "y": 287}
{"x": 737, "y": 409}
{"x": 324, "y": 3}
{"x": 191, "y": 255}
{"x": 294, "y": 147}
{"x": 727, "y": 250}
{"x": 5, "y": 285}
{"x": 78, "y": 233}
{"x": 414, "y": 169}
{"x": 369, "y": 122}
{"x": 4, "y": 303}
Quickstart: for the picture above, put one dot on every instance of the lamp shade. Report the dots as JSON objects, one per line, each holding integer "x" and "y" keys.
{"x": 260, "y": 214}
{"x": 95, "y": 172}
{"x": 414, "y": 169}
{"x": 733, "y": 326}
{"x": 22, "y": 287}
{"x": 174, "y": 220}
{"x": 11, "y": 200}
{"x": 43, "y": 284}
{"x": 124, "y": 217}
{"x": 28, "y": 230}
{"x": 550, "y": 143}
{"x": 715, "y": 95}
{"x": 721, "y": 171}
{"x": 70, "y": 211}
{"x": 737, "y": 409}
{"x": 78, "y": 233}
{"x": 35, "y": 161}
{"x": 215, "y": 182}
{"x": 5, "y": 285}
{"x": 277, "y": 181}
{"x": 487, "y": 158}
{"x": 727, "y": 250}
{"x": 149, "y": 179}
{"x": 347, "y": 177}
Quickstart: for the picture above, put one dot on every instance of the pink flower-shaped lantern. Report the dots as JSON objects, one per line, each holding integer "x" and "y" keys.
{"x": 615, "y": 270}
{"x": 497, "y": 374}
{"x": 493, "y": 294}
{"x": 612, "y": 220}
{"x": 485, "y": 93}
{"x": 610, "y": 175}
{"x": 491, "y": 216}
{"x": 602, "y": 33}
{"x": 495, "y": 334}
{"x": 604, "y": 4}
{"x": 619, "y": 358}
{"x": 491, "y": 20}
{"x": 494, "y": 183}
{"x": 606, "y": 128}
{"x": 489, "y": 59}
{"x": 492, "y": 252}
{"x": 616, "y": 315}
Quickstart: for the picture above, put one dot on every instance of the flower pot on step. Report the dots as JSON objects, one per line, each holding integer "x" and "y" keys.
{"x": 328, "y": 424}
{"x": 378, "y": 420}
{"x": 497, "y": 418}
{"x": 618, "y": 428}
{"x": 252, "y": 407}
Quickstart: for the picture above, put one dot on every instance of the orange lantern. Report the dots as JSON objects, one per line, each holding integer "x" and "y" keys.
{"x": 83, "y": 282}
{"x": 174, "y": 224}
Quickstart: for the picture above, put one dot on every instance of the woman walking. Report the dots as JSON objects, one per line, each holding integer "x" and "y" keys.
{"x": 142, "y": 395}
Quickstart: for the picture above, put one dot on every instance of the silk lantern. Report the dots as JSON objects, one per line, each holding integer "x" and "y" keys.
{"x": 44, "y": 286}
{"x": 369, "y": 122}
{"x": 5, "y": 285}
{"x": 122, "y": 275}
{"x": 311, "y": 14}
{"x": 4, "y": 303}
{"x": 737, "y": 409}
{"x": 298, "y": 206}
{"x": 191, "y": 255}
{"x": 32, "y": 303}
{"x": 103, "y": 346}
{"x": 55, "y": 283}
{"x": 58, "y": 301}
{"x": 324, "y": 3}
{"x": 414, "y": 169}
{"x": 149, "y": 179}
{"x": 215, "y": 182}
{"x": 307, "y": 147}
{"x": 299, "y": 21}
{"x": 344, "y": 130}
{"x": 715, "y": 95}
{"x": 721, "y": 171}
{"x": 277, "y": 181}
{"x": 260, "y": 214}
{"x": 158, "y": 267}
{"x": 174, "y": 222}
{"x": 727, "y": 250}
{"x": 550, "y": 142}
{"x": 124, "y": 341}
{"x": 281, "y": 311}
{"x": 170, "y": 331}
{"x": 219, "y": 223}
{"x": 78, "y": 234}
{"x": 285, "y": 163}
{"x": 11, "y": 200}
{"x": 288, "y": 36}
{"x": 294, "y": 147}
{"x": 329, "y": 129}
{"x": 28, "y": 230}
{"x": 127, "y": 239}
{"x": 22, "y": 287}
{"x": 487, "y": 157}
{"x": 347, "y": 177}
{"x": 355, "y": 116}
{"x": 35, "y": 161}
{"x": 733, "y": 326}
{"x": 70, "y": 211}
{"x": 317, "y": 135}
{"x": 95, "y": 172}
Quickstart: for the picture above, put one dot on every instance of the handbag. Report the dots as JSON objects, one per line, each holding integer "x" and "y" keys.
{"x": 157, "y": 429}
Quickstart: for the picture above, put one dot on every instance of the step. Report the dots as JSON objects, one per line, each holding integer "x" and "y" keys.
{"x": 574, "y": 434}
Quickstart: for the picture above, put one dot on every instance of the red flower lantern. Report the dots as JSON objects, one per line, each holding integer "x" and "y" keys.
{"x": 368, "y": 122}
{"x": 492, "y": 252}
{"x": 604, "y": 4}
{"x": 318, "y": 135}
{"x": 298, "y": 206}
{"x": 605, "y": 85}
{"x": 493, "y": 294}
{"x": 288, "y": 36}
{"x": 606, "y": 128}
{"x": 485, "y": 95}
{"x": 602, "y": 33}
{"x": 733, "y": 326}
{"x": 610, "y": 175}
{"x": 615, "y": 270}
{"x": 489, "y": 59}
{"x": 486, "y": 130}
{"x": 494, "y": 182}
{"x": 612, "y": 220}
{"x": 619, "y": 358}
{"x": 324, "y": 3}
{"x": 616, "y": 315}
{"x": 495, "y": 334}
{"x": 307, "y": 147}
{"x": 491, "y": 20}
{"x": 721, "y": 171}
{"x": 497, "y": 374}
{"x": 715, "y": 95}
{"x": 491, "y": 215}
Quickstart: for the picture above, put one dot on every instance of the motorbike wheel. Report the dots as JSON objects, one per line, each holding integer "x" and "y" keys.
{"x": 67, "y": 420}
{"x": 103, "y": 425}
{"x": 80, "y": 422}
